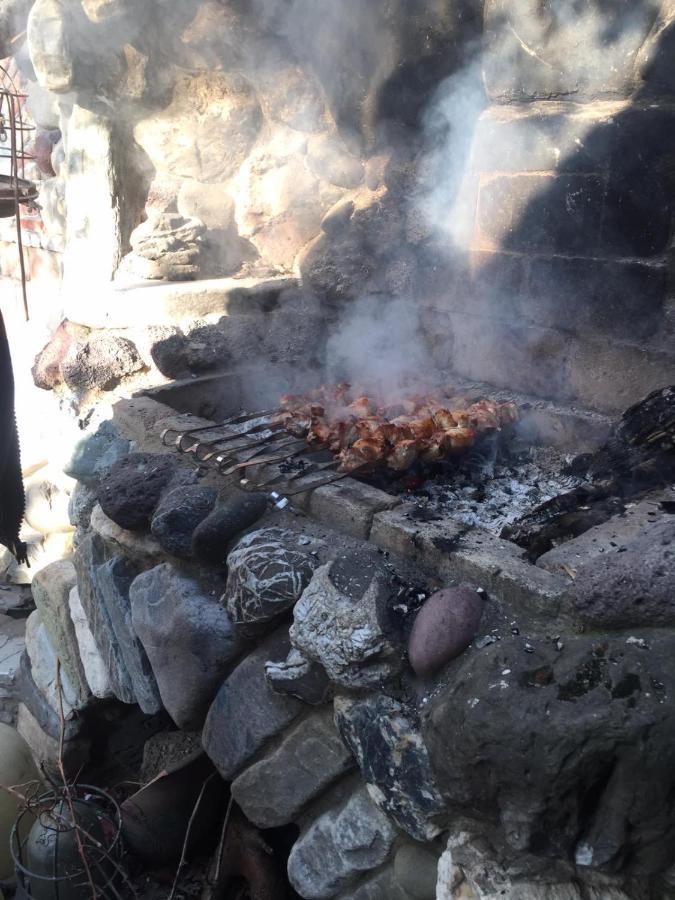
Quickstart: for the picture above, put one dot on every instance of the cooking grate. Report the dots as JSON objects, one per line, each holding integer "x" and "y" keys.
{"x": 253, "y": 441}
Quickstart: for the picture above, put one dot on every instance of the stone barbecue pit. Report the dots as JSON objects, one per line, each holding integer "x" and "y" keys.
{"x": 453, "y": 680}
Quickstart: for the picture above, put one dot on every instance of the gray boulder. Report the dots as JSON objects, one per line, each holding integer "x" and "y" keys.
{"x": 273, "y": 791}
{"x": 267, "y": 572}
{"x": 385, "y": 739}
{"x": 95, "y": 453}
{"x": 632, "y": 588}
{"x": 339, "y": 847}
{"x": 113, "y": 582}
{"x": 338, "y": 622}
{"x": 89, "y": 559}
{"x": 246, "y": 712}
{"x": 189, "y": 640}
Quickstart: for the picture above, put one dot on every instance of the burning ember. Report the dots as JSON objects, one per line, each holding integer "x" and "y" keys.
{"x": 366, "y": 434}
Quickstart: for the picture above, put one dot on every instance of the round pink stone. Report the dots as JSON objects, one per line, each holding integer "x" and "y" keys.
{"x": 444, "y": 627}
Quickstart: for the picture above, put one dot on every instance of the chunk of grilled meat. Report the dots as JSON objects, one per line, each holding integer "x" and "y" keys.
{"x": 364, "y": 434}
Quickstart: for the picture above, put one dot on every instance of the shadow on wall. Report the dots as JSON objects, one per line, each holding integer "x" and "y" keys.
{"x": 561, "y": 286}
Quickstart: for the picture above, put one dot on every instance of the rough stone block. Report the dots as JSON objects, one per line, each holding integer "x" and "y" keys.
{"x": 615, "y": 299}
{"x": 348, "y": 506}
{"x": 339, "y": 847}
{"x": 546, "y": 136}
{"x": 136, "y": 417}
{"x": 559, "y": 50}
{"x": 607, "y": 538}
{"x": 478, "y": 558}
{"x": 246, "y": 712}
{"x": 51, "y": 588}
{"x": 403, "y": 532}
{"x": 540, "y": 213}
{"x": 273, "y": 791}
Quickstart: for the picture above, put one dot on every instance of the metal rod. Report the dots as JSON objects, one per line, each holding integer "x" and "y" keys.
{"x": 234, "y": 420}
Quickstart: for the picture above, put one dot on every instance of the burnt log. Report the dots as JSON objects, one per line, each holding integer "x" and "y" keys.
{"x": 638, "y": 456}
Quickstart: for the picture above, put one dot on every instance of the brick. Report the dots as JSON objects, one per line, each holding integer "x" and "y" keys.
{"x": 474, "y": 557}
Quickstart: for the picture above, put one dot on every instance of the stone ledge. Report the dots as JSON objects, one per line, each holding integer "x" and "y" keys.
{"x": 172, "y": 303}
{"x": 447, "y": 548}
{"x": 609, "y": 537}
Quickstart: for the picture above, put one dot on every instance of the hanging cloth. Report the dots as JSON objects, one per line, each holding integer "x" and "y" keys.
{"x": 12, "y": 498}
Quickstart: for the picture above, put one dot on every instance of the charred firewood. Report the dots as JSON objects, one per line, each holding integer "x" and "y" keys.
{"x": 563, "y": 518}
{"x": 638, "y": 456}
{"x": 12, "y": 498}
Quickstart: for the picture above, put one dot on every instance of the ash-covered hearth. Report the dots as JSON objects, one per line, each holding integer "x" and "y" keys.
{"x": 493, "y": 488}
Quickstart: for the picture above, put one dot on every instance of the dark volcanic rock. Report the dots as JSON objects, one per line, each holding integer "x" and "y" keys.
{"x": 246, "y": 712}
{"x": 168, "y": 355}
{"x": 211, "y": 537}
{"x": 634, "y": 587}
{"x": 267, "y": 572}
{"x": 385, "y": 739}
{"x": 189, "y": 640}
{"x": 179, "y": 512}
{"x": 444, "y": 627}
{"x": 571, "y": 749}
{"x": 46, "y": 370}
{"x": 132, "y": 490}
{"x": 100, "y": 362}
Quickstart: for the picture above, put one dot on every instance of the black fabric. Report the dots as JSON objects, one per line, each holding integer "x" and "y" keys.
{"x": 12, "y": 499}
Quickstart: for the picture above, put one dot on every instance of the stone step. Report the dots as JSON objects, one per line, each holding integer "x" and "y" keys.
{"x": 609, "y": 537}
{"x": 175, "y": 303}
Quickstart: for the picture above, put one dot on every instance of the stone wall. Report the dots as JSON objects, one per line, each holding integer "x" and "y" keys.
{"x": 428, "y": 744}
{"x": 211, "y": 139}
{"x": 570, "y": 192}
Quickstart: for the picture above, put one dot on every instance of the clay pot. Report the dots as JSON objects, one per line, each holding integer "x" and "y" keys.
{"x": 156, "y": 818}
